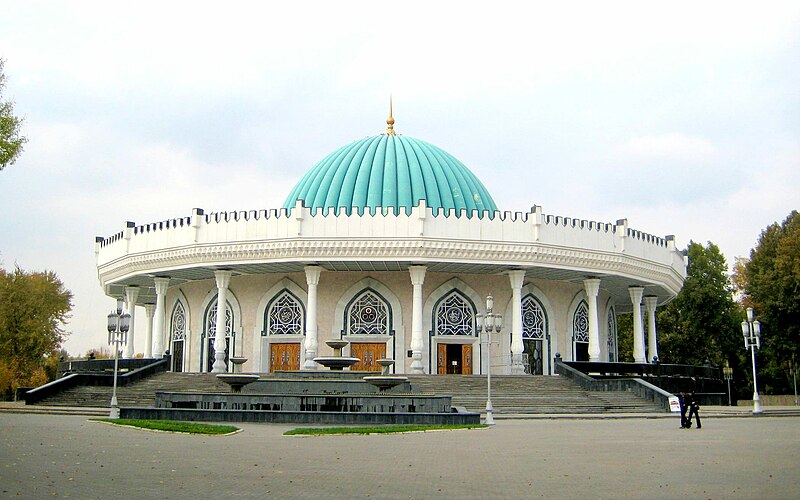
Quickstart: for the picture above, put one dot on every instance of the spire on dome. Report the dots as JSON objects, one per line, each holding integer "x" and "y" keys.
{"x": 390, "y": 120}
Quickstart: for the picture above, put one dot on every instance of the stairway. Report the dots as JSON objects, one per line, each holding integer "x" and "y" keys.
{"x": 519, "y": 395}
{"x": 141, "y": 393}
{"x": 511, "y": 395}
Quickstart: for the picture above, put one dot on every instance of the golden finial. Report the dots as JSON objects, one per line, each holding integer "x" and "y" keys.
{"x": 390, "y": 120}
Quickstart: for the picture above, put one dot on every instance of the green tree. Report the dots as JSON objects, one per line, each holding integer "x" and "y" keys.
{"x": 10, "y": 139}
{"x": 770, "y": 283}
{"x": 702, "y": 323}
{"x": 33, "y": 309}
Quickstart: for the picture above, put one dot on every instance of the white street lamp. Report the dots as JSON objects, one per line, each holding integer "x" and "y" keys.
{"x": 118, "y": 326}
{"x": 490, "y": 322}
{"x": 752, "y": 339}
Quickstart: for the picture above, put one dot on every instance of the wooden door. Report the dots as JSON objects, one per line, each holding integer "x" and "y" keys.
{"x": 284, "y": 356}
{"x": 441, "y": 359}
{"x": 369, "y": 353}
{"x": 466, "y": 359}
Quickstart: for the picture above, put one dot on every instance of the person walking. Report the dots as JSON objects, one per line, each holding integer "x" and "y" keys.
{"x": 682, "y": 403}
{"x": 694, "y": 409}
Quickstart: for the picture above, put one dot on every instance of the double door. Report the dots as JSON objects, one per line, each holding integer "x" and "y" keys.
{"x": 454, "y": 359}
{"x": 284, "y": 356}
{"x": 369, "y": 353}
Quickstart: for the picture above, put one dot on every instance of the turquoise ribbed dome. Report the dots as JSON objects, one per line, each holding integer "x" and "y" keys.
{"x": 390, "y": 171}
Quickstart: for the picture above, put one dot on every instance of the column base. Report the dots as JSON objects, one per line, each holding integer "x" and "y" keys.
{"x": 517, "y": 368}
{"x": 416, "y": 363}
{"x": 219, "y": 363}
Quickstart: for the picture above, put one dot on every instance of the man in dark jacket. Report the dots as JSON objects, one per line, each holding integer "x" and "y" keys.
{"x": 682, "y": 400}
{"x": 694, "y": 409}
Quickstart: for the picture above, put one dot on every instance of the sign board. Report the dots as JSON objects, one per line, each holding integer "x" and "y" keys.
{"x": 674, "y": 404}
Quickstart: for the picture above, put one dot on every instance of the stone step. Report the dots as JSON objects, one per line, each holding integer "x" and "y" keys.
{"x": 510, "y": 394}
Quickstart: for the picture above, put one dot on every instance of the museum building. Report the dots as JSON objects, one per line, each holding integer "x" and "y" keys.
{"x": 394, "y": 245}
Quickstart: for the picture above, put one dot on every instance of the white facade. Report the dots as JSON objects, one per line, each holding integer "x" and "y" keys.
{"x": 566, "y": 277}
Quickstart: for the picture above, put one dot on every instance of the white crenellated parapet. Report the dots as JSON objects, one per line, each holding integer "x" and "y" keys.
{"x": 418, "y": 235}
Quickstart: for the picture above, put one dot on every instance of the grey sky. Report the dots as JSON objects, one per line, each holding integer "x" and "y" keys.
{"x": 682, "y": 118}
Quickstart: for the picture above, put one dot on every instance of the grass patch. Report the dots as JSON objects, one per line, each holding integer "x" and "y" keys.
{"x": 379, "y": 429}
{"x": 171, "y": 426}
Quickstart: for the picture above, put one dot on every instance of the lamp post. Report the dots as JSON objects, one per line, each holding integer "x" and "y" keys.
{"x": 118, "y": 326}
{"x": 752, "y": 339}
{"x": 727, "y": 372}
{"x": 490, "y": 322}
{"x": 793, "y": 373}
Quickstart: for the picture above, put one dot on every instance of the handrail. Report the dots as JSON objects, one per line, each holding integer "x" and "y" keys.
{"x": 646, "y": 369}
{"x": 103, "y": 378}
{"x": 102, "y": 365}
{"x": 635, "y": 385}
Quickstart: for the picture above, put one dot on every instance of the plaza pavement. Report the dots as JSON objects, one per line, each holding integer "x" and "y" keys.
{"x": 69, "y": 456}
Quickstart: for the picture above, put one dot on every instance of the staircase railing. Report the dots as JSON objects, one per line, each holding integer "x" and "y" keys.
{"x": 635, "y": 385}
{"x": 99, "y": 378}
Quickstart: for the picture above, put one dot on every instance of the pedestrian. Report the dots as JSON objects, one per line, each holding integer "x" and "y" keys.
{"x": 682, "y": 400}
{"x": 694, "y": 409}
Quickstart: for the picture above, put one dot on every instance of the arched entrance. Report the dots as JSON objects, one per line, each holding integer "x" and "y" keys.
{"x": 534, "y": 334}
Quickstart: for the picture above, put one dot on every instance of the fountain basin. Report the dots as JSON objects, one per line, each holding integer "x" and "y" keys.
{"x": 237, "y": 380}
{"x": 385, "y": 382}
{"x": 337, "y": 363}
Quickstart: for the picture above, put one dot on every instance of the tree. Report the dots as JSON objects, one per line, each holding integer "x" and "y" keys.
{"x": 33, "y": 309}
{"x": 10, "y": 139}
{"x": 770, "y": 283}
{"x": 702, "y": 323}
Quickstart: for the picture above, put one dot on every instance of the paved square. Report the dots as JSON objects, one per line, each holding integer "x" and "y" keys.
{"x": 68, "y": 456}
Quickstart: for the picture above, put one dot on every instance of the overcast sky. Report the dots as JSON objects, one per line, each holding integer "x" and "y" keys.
{"x": 683, "y": 117}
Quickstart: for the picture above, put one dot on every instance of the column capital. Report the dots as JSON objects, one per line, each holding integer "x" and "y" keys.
{"x": 131, "y": 294}
{"x": 161, "y": 284}
{"x": 650, "y": 303}
{"x": 223, "y": 277}
{"x": 312, "y": 274}
{"x": 149, "y": 310}
{"x": 517, "y": 278}
{"x": 417, "y": 274}
{"x": 636, "y": 293}
{"x": 592, "y": 286}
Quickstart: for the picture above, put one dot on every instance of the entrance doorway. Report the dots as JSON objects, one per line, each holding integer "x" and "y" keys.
{"x": 533, "y": 356}
{"x": 454, "y": 359}
{"x": 177, "y": 355}
{"x": 284, "y": 356}
{"x": 369, "y": 353}
{"x": 581, "y": 351}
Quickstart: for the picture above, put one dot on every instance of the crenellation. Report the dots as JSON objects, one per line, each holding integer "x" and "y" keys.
{"x": 451, "y": 225}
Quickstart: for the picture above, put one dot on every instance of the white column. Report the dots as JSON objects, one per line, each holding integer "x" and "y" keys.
{"x": 638, "y": 332}
{"x": 650, "y": 303}
{"x": 149, "y": 309}
{"x": 592, "y": 287}
{"x": 131, "y": 294}
{"x": 417, "y": 344}
{"x": 159, "y": 319}
{"x": 312, "y": 279}
{"x": 223, "y": 280}
{"x": 517, "y": 346}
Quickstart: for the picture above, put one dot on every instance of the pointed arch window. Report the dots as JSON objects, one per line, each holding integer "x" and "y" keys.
{"x": 580, "y": 323}
{"x": 368, "y": 314}
{"x": 580, "y": 332}
{"x": 178, "y": 336}
{"x": 533, "y": 319}
{"x": 612, "y": 336}
{"x": 454, "y": 316}
{"x": 285, "y": 315}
